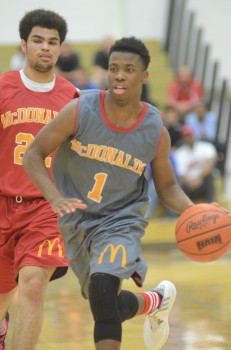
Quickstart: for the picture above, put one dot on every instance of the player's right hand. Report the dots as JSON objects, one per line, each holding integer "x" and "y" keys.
{"x": 64, "y": 206}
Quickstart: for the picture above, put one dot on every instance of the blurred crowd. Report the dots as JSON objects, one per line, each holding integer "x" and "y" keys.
{"x": 197, "y": 156}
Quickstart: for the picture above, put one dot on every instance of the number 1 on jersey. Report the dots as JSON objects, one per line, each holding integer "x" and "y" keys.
{"x": 95, "y": 193}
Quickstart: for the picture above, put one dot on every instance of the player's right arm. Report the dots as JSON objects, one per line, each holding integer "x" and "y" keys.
{"x": 47, "y": 141}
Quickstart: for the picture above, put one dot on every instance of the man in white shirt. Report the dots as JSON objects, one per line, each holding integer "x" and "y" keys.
{"x": 196, "y": 161}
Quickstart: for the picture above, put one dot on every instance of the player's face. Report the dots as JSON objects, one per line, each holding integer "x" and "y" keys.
{"x": 126, "y": 75}
{"x": 42, "y": 48}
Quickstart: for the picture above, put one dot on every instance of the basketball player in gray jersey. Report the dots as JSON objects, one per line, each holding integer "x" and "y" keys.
{"x": 105, "y": 140}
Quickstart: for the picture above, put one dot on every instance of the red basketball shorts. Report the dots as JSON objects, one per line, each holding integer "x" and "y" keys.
{"x": 29, "y": 236}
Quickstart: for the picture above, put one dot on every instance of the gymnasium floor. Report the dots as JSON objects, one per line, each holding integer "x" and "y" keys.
{"x": 200, "y": 318}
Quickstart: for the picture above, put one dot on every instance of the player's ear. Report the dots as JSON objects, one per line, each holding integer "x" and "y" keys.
{"x": 60, "y": 48}
{"x": 23, "y": 45}
{"x": 145, "y": 75}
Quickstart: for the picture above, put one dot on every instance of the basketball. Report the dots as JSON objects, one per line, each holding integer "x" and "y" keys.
{"x": 203, "y": 232}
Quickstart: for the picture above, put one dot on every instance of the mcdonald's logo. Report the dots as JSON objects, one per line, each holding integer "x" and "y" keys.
{"x": 114, "y": 251}
{"x": 50, "y": 246}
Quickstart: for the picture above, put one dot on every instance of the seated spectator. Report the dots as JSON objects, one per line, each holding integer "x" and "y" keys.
{"x": 153, "y": 198}
{"x": 82, "y": 81}
{"x": 184, "y": 92}
{"x": 204, "y": 124}
{"x": 18, "y": 60}
{"x": 172, "y": 123}
{"x": 100, "y": 63}
{"x": 196, "y": 161}
{"x": 68, "y": 62}
{"x": 203, "y": 121}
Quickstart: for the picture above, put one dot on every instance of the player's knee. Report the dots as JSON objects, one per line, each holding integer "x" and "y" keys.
{"x": 128, "y": 305}
{"x": 32, "y": 285}
{"x": 103, "y": 291}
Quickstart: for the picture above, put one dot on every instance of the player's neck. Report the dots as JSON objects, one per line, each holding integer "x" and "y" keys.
{"x": 123, "y": 115}
{"x": 39, "y": 77}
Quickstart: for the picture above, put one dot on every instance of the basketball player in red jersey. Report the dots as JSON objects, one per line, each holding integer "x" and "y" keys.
{"x": 31, "y": 248}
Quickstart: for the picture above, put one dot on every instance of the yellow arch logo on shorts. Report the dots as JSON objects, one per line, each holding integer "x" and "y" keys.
{"x": 50, "y": 246}
{"x": 114, "y": 251}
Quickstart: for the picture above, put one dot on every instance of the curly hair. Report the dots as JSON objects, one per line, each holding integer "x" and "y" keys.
{"x": 45, "y": 19}
{"x": 132, "y": 45}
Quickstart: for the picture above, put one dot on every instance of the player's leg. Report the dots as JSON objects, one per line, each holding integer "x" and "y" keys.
{"x": 39, "y": 257}
{"x": 8, "y": 285}
{"x": 109, "y": 311}
{"x": 32, "y": 285}
{"x": 5, "y": 301}
{"x": 133, "y": 304}
{"x": 118, "y": 255}
{"x": 103, "y": 291}
{"x": 156, "y": 305}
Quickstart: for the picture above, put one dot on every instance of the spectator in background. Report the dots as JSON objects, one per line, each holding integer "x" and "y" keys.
{"x": 172, "y": 123}
{"x": 153, "y": 197}
{"x": 185, "y": 91}
{"x": 203, "y": 121}
{"x": 102, "y": 56}
{"x": 196, "y": 161}
{"x": 68, "y": 62}
{"x": 18, "y": 60}
{"x": 100, "y": 63}
{"x": 204, "y": 124}
{"x": 82, "y": 81}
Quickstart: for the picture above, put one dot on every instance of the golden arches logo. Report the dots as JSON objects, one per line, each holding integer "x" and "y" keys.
{"x": 114, "y": 252}
{"x": 50, "y": 246}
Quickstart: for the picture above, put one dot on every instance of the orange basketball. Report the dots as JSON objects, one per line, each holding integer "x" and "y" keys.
{"x": 203, "y": 232}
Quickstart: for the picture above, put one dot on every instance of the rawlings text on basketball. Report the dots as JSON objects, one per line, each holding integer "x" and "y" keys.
{"x": 200, "y": 224}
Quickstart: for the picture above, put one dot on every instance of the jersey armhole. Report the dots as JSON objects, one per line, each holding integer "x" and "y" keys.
{"x": 76, "y": 117}
{"x": 159, "y": 141}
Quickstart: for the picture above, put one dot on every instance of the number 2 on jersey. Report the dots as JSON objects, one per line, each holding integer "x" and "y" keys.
{"x": 95, "y": 193}
{"x": 23, "y": 140}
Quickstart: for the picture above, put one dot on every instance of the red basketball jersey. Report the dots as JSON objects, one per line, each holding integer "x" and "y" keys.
{"x": 23, "y": 113}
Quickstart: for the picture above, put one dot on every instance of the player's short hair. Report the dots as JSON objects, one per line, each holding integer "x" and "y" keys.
{"x": 45, "y": 19}
{"x": 132, "y": 45}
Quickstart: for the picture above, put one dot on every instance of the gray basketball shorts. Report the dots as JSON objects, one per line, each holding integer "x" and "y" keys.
{"x": 104, "y": 244}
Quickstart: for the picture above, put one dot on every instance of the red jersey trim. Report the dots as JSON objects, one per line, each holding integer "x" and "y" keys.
{"x": 76, "y": 117}
{"x": 159, "y": 141}
{"x": 119, "y": 129}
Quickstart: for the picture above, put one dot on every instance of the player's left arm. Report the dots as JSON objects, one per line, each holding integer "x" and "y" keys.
{"x": 167, "y": 187}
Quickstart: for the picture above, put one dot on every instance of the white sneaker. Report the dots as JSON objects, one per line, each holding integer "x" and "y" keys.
{"x": 156, "y": 327}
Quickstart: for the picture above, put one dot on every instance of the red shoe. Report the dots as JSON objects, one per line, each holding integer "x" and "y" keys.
{"x": 3, "y": 336}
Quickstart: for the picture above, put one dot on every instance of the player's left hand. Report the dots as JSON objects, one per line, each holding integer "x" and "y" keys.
{"x": 226, "y": 210}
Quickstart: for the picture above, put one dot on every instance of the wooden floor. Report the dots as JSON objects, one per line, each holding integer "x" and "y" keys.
{"x": 200, "y": 318}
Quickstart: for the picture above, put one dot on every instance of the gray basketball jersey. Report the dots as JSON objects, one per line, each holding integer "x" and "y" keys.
{"x": 104, "y": 165}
